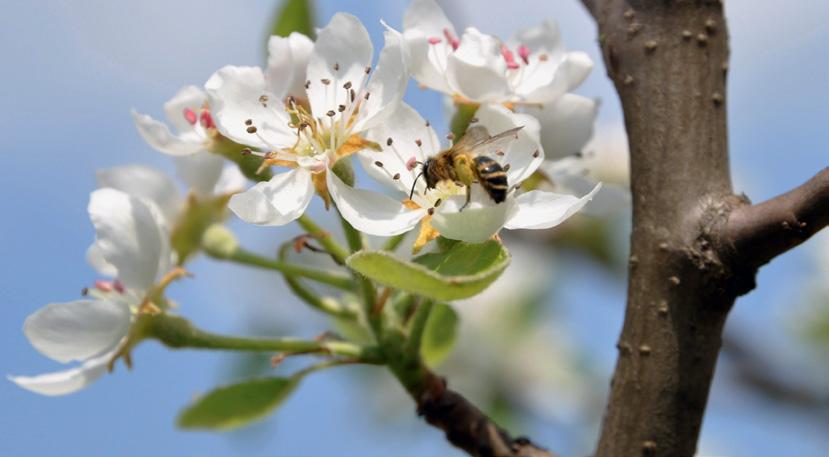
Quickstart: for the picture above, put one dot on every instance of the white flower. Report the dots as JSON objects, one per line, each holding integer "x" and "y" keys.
{"x": 406, "y": 138}
{"x": 188, "y": 113}
{"x": 132, "y": 244}
{"x": 343, "y": 101}
{"x": 532, "y": 67}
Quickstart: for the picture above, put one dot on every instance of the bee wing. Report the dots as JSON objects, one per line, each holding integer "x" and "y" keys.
{"x": 494, "y": 145}
{"x": 473, "y": 136}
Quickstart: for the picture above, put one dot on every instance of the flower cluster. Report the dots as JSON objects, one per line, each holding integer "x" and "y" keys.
{"x": 317, "y": 107}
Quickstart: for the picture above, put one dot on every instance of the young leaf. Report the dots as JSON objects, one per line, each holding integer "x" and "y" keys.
{"x": 236, "y": 405}
{"x": 439, "y": 335}
{"x": 462, "y": 271}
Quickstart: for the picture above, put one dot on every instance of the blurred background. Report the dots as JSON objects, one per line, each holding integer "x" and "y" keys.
{"x": 536, "y": 350}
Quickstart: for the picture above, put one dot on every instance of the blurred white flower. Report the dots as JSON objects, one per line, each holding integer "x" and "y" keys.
{"x": 132, "y": 245}
{"x": 407, "y": 139}
{"x": 342, "y": 103}
{"x": 530, "y": 68}
{"x": 187, "y": 112}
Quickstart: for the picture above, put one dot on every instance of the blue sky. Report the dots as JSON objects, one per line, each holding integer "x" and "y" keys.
{"x": 72, "y": 72}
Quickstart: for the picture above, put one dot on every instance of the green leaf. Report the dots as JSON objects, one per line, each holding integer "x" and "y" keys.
{"x": 236, "y": 405}
{"x": 462, "y": 271}
{"x": 439, "y": 335}
{"x": 293, "y": 16}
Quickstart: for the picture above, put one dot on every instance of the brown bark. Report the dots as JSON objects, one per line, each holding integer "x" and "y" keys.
{"x": 695, "y": 246}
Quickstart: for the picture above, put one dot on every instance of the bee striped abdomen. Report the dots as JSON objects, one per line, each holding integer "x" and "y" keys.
{"x": 492, "y": 177}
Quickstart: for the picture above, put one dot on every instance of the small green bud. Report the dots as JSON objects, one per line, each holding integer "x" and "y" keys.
{"x": 219, "y": 242}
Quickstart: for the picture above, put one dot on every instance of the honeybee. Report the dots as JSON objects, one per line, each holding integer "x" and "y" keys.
{"x": 468, "y": 162}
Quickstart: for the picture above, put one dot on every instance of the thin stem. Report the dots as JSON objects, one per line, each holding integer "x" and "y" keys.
{"x": 356, "y": 242}
{"x": 177, "y": 332}
{"x": 337, "y": 252}
{"x": 338, "y": 280}
{"x": 418, "y": 325}
{"x": 327, "y": 305}
{"x": 392, "y": 243}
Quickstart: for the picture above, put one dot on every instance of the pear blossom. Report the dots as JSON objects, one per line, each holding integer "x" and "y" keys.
{"x": 187, "y": 112}
{"x": 407, "y": 139}
{"x": 532, "y": 67}
{"x": 345, "y": 98}
{"x": 132, "y": 245}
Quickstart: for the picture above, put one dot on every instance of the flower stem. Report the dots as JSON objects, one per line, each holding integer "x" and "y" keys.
{"x": 462, "y": 118}
{"x": 418, "y": 325}
{"x": 337, "y": 252}
{"x": 177, "y": 332}
{"x": 356, "y": 242}
{"x": 392, "y": 243}
{"x": 325, "y": 304}
{"x": 338, "y": 280}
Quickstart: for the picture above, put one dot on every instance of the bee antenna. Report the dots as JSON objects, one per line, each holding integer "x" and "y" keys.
{"x": 411, "y": 194}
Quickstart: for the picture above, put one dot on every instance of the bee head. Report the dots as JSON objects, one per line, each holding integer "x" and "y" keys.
{"x": 431, "y": 179}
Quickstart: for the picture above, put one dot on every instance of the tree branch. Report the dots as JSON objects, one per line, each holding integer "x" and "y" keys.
{"x": 763, "y": 231}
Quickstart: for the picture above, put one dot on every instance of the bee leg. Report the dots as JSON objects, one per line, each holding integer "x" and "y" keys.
{"x": 468, "y": 198}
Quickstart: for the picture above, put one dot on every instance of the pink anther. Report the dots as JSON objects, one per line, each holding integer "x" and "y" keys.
{"x": 524, "y": 53}
{"x": 190, "y": 116}
{"x": 206, "y": 120}
{"x": 508, "y": 57}
{"x": 434, "y": 40}
{"x": 452, "y": 39}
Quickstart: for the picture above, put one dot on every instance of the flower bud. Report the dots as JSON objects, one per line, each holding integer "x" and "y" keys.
{"x": 219, "y": 242}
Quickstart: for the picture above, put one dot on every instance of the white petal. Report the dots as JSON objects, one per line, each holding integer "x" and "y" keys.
{"x": 77, "y": 330}
{"x": 478, "y": 222}
{"x": 538, "y": 209}
{"x": 67, "y": 381}
{"x": 95, "y": 258}
{"x": 568, "y": 125}
{"x": 610, "y": 200}
{"x": 287, "y": 62}
{"x": 158, "y": 135}
{"x": 520, "y": 153}
{"x": 371, "y": 212}
{"x": 388, "y": 82}
{"x": 568, "y": 74}
{"x": 344, "y": 44}
{"x": 131, "y": 234}
{"x": 200, "y": 171}
{"x": 239, "y": 99}
{"x": 231, "y": 180}
{"x": 275, "y": 202}
{"x": 428, "y": 17}
{"x": 189, "y": 97}
{"x": 148, "y": 183}
{"x": 476, "y": 70}
{"x": 404, "y": 127}
{"x": 543, "y": 38}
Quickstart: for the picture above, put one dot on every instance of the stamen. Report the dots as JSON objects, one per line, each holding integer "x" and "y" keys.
{"x": 438, "y": 202}
{"x": 524, "y": 53}
{"x": 263, "y": 99}
{"x": 379, "y": 164}
{"x": 207, "y": 120}
{"x": 428, "y": 123}
{"x": 453, "y": 41}
{"x": 103, "y": 286}
{"x": 341, "y": 108}
{"x": 249, "y": 122}
{"x": 431, "y": 211}
{"x": 506, "y": 167}
{"x": 434, "y": 40}
{"x": 190, "y": 116}
{"x": 325, "y": 81}
{"x": 118, "y": 286}
{"x": 330, "y": 113}
{"x": 508, "y": 57}
{"x": 368, "y": 94}
{"x": 336, "y": 66}
{"x": 536, "y": 153}
{"x": 411, "y": 163}
{"x": 251, "y": 129}
{"x": 389, "y": 142}
{"x": 418, "y": 142}
{"x": 307, "y": 84}
{"x": 353, "y": 95}
{"x": 450, "y": 136}
{"x": 543, "y": 57}
{"x": 396, "y": 176}
{"x": 499, "y": 152}
{"x": 368, "y": 69}
{"x": 347, "y": 85}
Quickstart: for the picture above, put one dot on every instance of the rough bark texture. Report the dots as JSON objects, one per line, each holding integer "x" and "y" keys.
{"x": 695, "y": 246}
